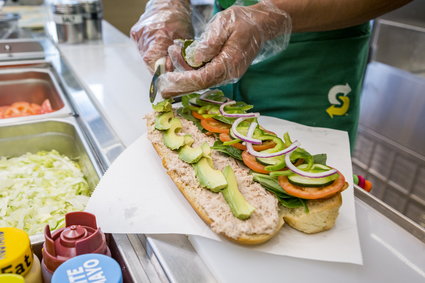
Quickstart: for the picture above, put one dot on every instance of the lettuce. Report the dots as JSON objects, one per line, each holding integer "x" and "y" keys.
{"x": 39, "y": 189}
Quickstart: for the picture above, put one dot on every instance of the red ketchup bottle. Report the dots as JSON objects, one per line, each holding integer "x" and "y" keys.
{"x": 80, "y": 236}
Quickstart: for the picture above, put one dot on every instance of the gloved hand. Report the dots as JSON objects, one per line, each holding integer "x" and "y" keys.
{"x": 161, "y": 23}
{"x": 229, "y": 44}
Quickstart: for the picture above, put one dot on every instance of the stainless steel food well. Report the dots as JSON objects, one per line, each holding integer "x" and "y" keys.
{"x": 22, "y": 49}
{"x": 62, "y": 135}
{"x": 33, "y": 85}
{"x": 65, "y": 136}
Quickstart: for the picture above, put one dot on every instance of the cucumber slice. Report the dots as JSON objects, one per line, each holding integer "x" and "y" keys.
{"x": 271, "y": 160}
{"x": 188, "y": 58}
{"x": 311, "y": 182}
{"x": 194, "y": 101}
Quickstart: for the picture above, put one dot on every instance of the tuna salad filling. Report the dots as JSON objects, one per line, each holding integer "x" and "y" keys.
{"x": 263, "y": 220}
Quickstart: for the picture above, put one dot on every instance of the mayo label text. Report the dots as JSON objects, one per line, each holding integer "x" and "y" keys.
{"x": 89, "y": 272}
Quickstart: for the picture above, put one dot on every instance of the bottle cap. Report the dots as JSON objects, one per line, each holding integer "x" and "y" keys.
{"x": 11, "y": 278}
{"x": 15, "y": 251}
{"x": 80, "y": 236}
{"x": 88, "y": 268}
{"x": 361, "y": 181}
{"x": 355, "y": 179}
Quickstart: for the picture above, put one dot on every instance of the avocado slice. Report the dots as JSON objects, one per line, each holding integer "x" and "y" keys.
{"x": 163, "y": 106}
{"x": 162, "y": 122}
{"x": 206, "y": 149}
{"x": 209, "y": 177}
{"x": 190, "y": 154}
{"x": 240, "y": 208}
{"x": 171, "y": 139}
{"x": 188, "y": 57}
{"x": 188, "y": 140}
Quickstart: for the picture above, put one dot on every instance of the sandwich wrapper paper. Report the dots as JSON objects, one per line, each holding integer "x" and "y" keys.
{"x": 137, "y": 196}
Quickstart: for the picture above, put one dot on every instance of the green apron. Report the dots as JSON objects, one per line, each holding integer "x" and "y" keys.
{"x": 316, "y": 81}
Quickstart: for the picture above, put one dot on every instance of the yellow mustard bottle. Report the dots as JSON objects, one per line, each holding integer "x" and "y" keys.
{"x": 16, "y": 256}
{"x": 11, "y": 278}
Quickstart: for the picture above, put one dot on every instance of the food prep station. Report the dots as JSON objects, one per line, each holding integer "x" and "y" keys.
{"x": 61, "y": 130}
{"x": 33, "y": 70}
{"x": 98, "y": 92}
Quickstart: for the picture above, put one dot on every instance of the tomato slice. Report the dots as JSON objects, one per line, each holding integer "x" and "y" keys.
{"x": 226, "y": 137}
{"x": 18, "y": 109}
{"x": 215, "y": 126}
{"x": 36, "y": 109}
{"x": 251, "y": 162}
{"x": 258, "y": 147}
{"x": 22, "y": 108}
{"x": 46, "y": 107}
{"x": 2, "y": 109}
{"x": 312, "y": 192}
{"x": 200, "y": 116}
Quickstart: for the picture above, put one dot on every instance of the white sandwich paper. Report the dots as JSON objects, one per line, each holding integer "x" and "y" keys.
{"x": 137, "y": 196}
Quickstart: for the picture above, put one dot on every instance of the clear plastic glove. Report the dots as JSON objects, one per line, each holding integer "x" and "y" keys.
{"x": 229, "y": 45}
{"x": 161, "y": 23}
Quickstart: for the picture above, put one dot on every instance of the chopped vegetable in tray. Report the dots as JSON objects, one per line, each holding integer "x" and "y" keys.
{"x": 39, "y": 189}
{"x": 22, "y": 108}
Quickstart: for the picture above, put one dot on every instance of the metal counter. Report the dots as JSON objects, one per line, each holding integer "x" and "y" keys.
{"x": 165, "y": 258}
{"x": 390, "y": 150}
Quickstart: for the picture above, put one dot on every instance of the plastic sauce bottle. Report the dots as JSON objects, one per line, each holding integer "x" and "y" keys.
{"x": 16, "y": 255}
{"x": 11, "y": 278}
{"x": 88, "y": 268}
{"x": 80, "y": 236}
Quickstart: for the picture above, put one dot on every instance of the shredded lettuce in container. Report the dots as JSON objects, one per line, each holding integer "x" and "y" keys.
{"x": 39, "y": 189}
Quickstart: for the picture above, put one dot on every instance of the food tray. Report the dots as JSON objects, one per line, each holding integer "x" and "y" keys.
{"x": 65, "y": 136}
{"x": 33, "y": 85}
{"x": 62, "y": 135}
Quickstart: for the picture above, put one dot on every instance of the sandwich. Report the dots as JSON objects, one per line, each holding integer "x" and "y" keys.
{"x": 244, "y": 181}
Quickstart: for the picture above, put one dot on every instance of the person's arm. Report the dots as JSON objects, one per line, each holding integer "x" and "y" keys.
{"x": 321, "y": 15}
{"x": 234, "y": 37}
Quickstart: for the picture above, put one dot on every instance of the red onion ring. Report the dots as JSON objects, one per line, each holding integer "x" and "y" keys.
{"x": 225, "y": 114}
{"x": 208, "y": 92}
{"x": 294, "y": 169}
{"x": 255, "y": 153}
{"x": 239, "y": 135}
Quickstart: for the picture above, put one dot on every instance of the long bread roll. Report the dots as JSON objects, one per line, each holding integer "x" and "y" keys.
{"x": 268, "y": 217}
